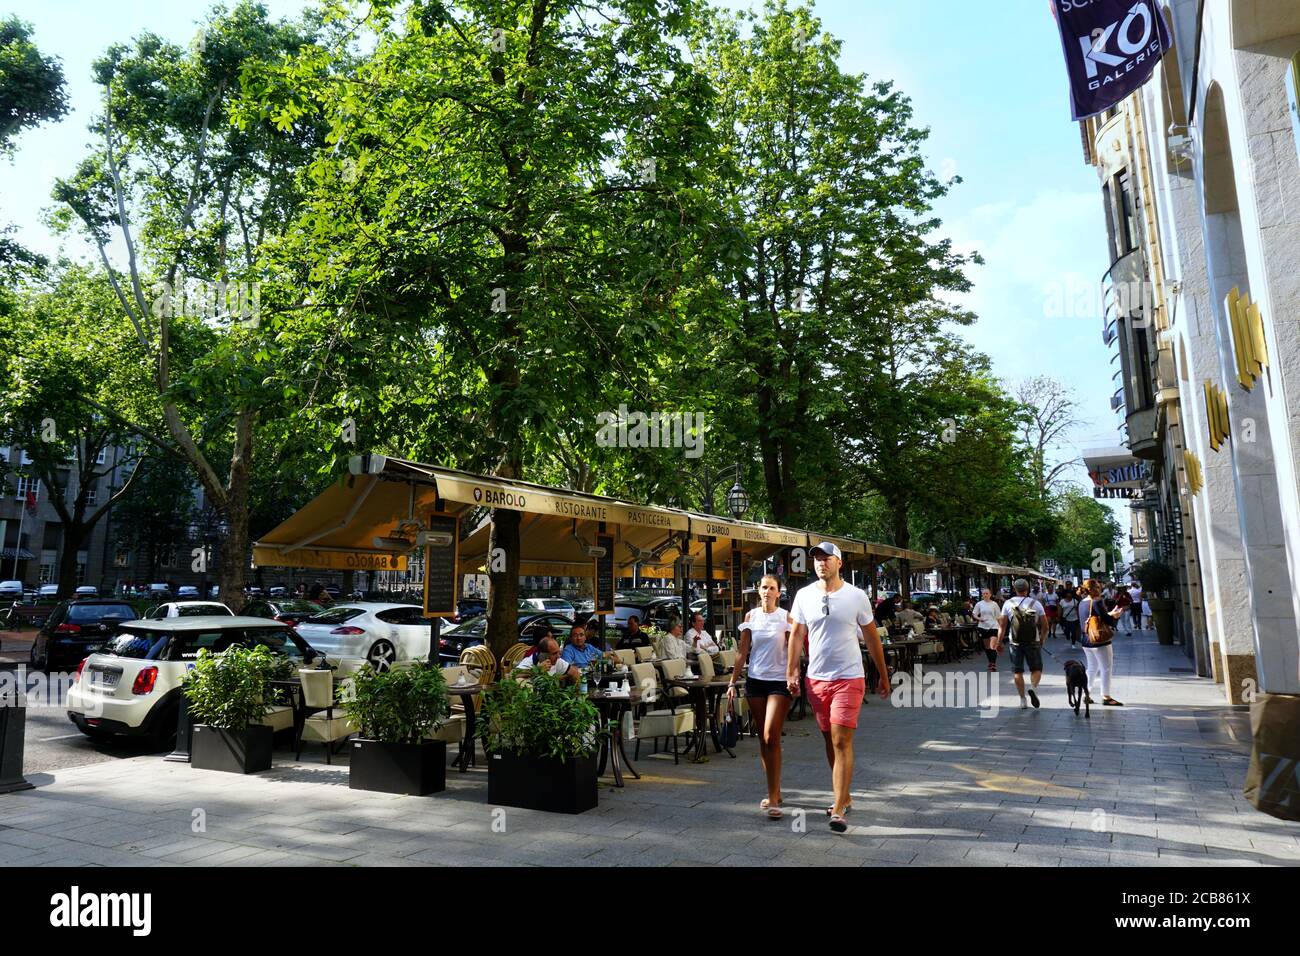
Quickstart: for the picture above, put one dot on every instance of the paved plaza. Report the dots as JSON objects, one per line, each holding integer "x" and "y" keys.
{"x": 1157, "y": 782}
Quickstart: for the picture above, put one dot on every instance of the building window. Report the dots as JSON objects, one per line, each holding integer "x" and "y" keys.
{"x": 1127, "y": 232}
{"x": 121, "y": 559}
{"x": 27, "y": 484}
{"x": 167, "y": 556}
{"x": 46, "y": 575}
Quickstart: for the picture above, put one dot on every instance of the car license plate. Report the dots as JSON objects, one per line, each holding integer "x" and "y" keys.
{"x": 106, "y": 679}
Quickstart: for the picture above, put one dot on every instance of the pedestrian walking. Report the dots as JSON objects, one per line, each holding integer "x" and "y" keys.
{"x": 986, "y": 624}
{"x": 1098, "y": 633}
{"x": 1146, "y": 612}
{"x": 1135, "y": 607}
{"x": 1050, "y": 599}
{"x": 1068, "y": 610}
{"x": 762, "y": 656}
{"x": 834, "y": 617}
{"x": 1023, "y": 622}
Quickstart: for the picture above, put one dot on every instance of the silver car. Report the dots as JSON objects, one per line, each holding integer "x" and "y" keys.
{"x": 381, "y": 634}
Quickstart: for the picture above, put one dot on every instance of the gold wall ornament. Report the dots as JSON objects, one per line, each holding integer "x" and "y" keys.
{"x": 1195, "y": 477}
{"x": 1248, "y": 345}
{"x": 1216, "y": 414}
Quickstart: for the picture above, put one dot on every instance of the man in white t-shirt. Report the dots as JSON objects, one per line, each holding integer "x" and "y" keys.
{"x": 834, "y": 617}
{"x": 1024, "y": 621}
{"x": 1135, "y": 609}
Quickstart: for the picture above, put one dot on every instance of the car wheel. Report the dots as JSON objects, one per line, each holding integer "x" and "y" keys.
{"x": 38, "y": 663}
{"x": 382, "y": 655}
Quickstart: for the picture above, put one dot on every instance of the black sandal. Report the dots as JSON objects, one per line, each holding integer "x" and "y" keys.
{"x": 1111, "y": 702}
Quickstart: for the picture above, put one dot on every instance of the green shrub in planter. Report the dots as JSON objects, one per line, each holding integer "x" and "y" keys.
{"x": 227, "y": 694}
{"x": 541, "y": 737}
{"x": 394, "y": 711}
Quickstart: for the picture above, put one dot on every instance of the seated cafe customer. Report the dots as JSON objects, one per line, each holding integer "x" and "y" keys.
{"x": 698, "y": 639}
{"x": 635, "y": 637}
{"x": 909, "y": 615}
{"x": 546, "y": 656}
{"x": 578, "y": 652}
{"x": 672, "y": 646}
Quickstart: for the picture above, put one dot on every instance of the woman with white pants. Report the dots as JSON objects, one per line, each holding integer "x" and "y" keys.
{"x": 1100, "y": 656}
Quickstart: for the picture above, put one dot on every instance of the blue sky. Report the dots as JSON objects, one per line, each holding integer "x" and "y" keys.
{"x": 986, "y": 77}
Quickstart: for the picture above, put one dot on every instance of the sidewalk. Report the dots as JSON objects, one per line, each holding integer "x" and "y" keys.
{"x": 16, "y": 646}
{"x": 1157, "y": 782}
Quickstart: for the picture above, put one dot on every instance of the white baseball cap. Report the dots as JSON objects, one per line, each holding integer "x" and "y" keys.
{"x": 827, "y": 547}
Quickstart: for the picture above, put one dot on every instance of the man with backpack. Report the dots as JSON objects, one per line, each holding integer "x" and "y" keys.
{"x": 1025, "y": 623}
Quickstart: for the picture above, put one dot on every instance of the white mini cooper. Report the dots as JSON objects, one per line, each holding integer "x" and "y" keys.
{"x": 132, "y": 683}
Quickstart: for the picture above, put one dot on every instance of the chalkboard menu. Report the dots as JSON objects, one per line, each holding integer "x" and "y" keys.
{"x": 441, "y": 567}
{"x": 737, "y": 580}
{"x": 605, "y": 575}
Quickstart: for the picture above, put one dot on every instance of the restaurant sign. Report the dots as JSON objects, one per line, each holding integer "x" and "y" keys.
{"x": 265, "y": 556}
{"x": 491, "y": 494}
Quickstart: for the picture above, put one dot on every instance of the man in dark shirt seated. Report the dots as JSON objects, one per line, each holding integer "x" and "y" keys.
{"x": 634, "y": 637}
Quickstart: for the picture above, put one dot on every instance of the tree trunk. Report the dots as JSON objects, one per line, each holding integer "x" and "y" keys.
{"x": 503, "y": 596}
{"x": 902, "y": 537}
{"x": 234, "y": 556}
{"x": 73, "y": 537}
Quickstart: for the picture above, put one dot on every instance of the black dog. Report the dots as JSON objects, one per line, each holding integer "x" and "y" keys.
{"x": 1076, "y": 686}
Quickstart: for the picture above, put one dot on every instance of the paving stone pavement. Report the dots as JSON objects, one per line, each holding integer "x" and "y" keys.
{"x": 1155, "y": 783}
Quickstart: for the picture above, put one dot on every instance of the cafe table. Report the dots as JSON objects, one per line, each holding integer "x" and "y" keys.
{"x": 706, "y": 695}
{"x": 612, "y": 707}
{"x": 951, "y": 637}
{"x": 467, "y": 693}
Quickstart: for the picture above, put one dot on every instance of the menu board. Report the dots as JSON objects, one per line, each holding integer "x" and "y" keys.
{"x": 604, "y": 575}
{"x": 441, "y": 567}
{"x": 737, "y": 580}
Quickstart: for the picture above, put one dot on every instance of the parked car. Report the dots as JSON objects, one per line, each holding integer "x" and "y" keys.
{"x": 11, "y": 590}
{"x": 159, "y": 591}
{"x": 86, "y": 590}
{"x": 131, "y": 685}
{"x": 553, "y": 605}
{"x": 188, "y": 609}
{"x": 288, "y": 611}
{"x": 75, "y": 629}
{"x": 653, "y": 613}
{"x": 532, "y": 625}
{"x": 379, "y": 633}
{"x": 279, "y": 591}
{"x": 187, "y": 591}
{"x": 47, "y": 592}
{"x": 470, "y": 608}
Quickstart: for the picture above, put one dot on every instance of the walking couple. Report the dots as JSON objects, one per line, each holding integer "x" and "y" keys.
{"x": 833, "y": 617}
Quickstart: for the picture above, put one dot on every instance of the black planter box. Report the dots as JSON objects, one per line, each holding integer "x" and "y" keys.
{"x": 414, "y": 769}
{"x": 542, "y": 783}
{"x": 214, "y": 748}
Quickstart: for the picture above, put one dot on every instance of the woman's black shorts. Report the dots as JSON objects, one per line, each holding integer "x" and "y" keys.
{"x": 765, "y": 688}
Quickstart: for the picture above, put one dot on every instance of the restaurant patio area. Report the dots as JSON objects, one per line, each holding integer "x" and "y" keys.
{"x": 1157, "y": 782}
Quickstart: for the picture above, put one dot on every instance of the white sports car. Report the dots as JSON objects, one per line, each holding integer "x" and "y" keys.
{"x": 379, "y": 633}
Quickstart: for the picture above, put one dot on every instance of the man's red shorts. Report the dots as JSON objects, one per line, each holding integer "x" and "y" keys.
{"x": 836, "y": 701}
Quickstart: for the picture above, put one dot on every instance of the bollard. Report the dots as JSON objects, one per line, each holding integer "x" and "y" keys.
{"x": 183, "y": 724}
{"x": 13, "y": 724}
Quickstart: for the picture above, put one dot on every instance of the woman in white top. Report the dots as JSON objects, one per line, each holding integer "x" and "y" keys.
{"x": 765, "y": 648}
{"x": 986, "y": 622}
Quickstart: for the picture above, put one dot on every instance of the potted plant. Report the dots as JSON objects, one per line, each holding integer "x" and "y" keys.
{"x": 395, "y": 711}
{"x": 541, "y": 739}
{"x": 1158, "y": 579}
{"x": 227, "y": 695}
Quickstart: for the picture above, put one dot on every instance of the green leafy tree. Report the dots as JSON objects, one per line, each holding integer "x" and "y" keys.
{"x": 158, "y": 516}
{"x": 510, "y": 202}
{"x": 1086, "y": 526}
{"x": 191, "y": 199}
{"x": 67, "y": 376}
{"x": 31, "y": 93}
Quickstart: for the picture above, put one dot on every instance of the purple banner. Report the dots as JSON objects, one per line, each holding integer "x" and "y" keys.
{"x": 1111, "y": 47}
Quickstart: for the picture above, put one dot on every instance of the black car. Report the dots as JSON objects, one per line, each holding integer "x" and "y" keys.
{"x": 285, "y": 609}
{"x": 656, "y": 613}
{"x": 75, "y": 629}
{"x": 532, "y": 625}
{"x": 470, "y": 608}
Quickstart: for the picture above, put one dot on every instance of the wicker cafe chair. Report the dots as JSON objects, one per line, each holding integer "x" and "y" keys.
{"x": 513, "y": 655}
{"x": 479, "y": 663}
{"x": 657, "y": 724}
